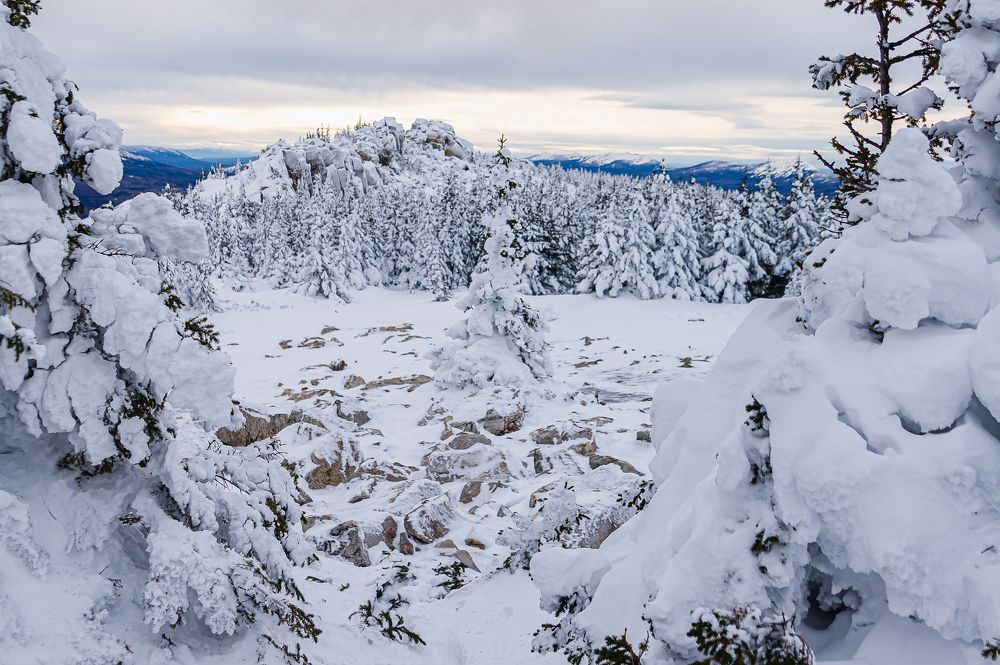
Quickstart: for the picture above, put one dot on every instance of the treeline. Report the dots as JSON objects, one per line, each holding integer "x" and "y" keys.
{"x": 580, "y": 232}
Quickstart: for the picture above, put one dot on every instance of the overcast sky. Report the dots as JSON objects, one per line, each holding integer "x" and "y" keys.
{"x": 690, "y": 79}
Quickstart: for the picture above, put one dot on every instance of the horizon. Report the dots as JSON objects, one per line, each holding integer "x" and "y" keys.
{"x": 210, "y": 152}
{"x": 721, "y": 81}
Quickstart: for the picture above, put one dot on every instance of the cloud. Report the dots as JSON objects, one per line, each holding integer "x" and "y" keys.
{"x": 659, "y": 71}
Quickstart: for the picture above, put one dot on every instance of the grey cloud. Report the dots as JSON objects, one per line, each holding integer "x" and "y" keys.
{"x": 704, "y": 55}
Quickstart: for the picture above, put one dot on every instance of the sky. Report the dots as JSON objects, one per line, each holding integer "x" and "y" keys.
{"x": 686, "y": 79}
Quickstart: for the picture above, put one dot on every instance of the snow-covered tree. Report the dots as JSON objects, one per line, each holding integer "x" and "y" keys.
{"x": 108, "y": 395}
{"x": 621, "y": 252}
{"x": 432, "y": 246}
{"x": 805, "y": 217}
{"x": 324, "y": 272}
{"x": 502, "y": 339}
{"x": 726, "y": 272}
{"x": 759, "y": 217}
{"x": 21, "y": 11}
{"x": 677, "y": 259}
{"x": 866, "y": 85}
{"x": 880, "y": 389}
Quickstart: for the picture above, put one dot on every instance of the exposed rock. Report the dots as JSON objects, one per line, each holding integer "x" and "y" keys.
{"x": 538, "y": 494}
{"x": 337, "y": 366}
{"x": 285, "y": 344}
{"x": 466, "y": 559}
{"x": 328, "y": 329}
{"x": 447, "y": 544}
{"x": 309, "y": 521}
{"x": 465, "y": 426}
{"x": 472, "y": 542}
{"x": 597, "y": 461}
{"x": 312, "y": 343}
{"x": 413, "y": 382}
{"x": 644, "y": 435}
{"x": 471, "y": 491}
{"x": 587, "y": 363}
{"x": 567, "y": 432}
{"x": 259, "y": 427}
{"x": 353, "y": 381}
{"x": 348, "y": 542}
{"x": 598, "y": 421}
{"x": 587, "y": 449}
{"x": 480, "y": 460}
{"x": 389, "y": 531}
{"x": 341, "y": 463}
{"x": 405, "y": 546}
{"x": 307, "y": 393}
{"x": 498, "y": 424}
{"x": 429, "y": 522}
{"x": 406, "y": 327}
{"x": 412, "y": 495}
{"x": 540, "y": 463}
{"x": 466, "y": 440}
{"x": 358, "y": 417}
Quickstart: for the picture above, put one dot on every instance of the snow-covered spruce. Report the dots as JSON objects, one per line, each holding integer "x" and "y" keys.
{"x": 412, "y": 201}
{"x": 118, "y": 509}
{"x": 859, "y": 484}
{"x": 620, "y": 252}
{"x": 501, "y": 342}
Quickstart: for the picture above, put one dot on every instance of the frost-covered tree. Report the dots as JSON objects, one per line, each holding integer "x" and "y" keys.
{"x": 354, "y": 246}
{"x": 755, "y": 235}
{"x": 726, "y": 272}
{"x": 108, "y": 395}
{"x": 21, "y": 11}
{"x": 621, "y": 253}
{"x": 432, "y": 246}
{"x": 880, "y": 388}
{"x": 324, "y": 271}
{"x": 804, "y": 219}
{"x": 881, "y": 89}
{"x": 677, "y": 259}
{"x": 502, "y": 339}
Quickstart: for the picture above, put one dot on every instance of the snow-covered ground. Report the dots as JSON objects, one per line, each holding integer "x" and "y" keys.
{"x": 608, "y": 355}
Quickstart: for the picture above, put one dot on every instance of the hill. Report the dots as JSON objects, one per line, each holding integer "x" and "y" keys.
{"x": 726, "y": 175}
{"x": 152, "y": 168}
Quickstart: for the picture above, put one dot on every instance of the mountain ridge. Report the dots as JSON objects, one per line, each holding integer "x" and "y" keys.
{"x": 718, "y": 173}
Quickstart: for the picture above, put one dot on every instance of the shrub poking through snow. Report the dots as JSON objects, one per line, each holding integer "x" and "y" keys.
{"x": 744, "y": 637}
{"x": 392, "y": 626}
{"x": 617, "y": 650}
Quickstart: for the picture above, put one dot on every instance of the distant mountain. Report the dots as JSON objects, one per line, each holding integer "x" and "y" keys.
{"x": 166, "y": 156}
{"x": 726, "y": 175}
{"x": 220, "y": 156}
{"x": 151, "y": 168}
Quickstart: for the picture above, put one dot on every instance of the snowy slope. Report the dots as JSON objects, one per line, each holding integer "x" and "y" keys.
{"x": 608, "y": 357}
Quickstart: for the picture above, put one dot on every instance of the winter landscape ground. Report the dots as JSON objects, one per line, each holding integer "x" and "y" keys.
{"x": 381, "y": 395}
{"x": 604, "y": 375}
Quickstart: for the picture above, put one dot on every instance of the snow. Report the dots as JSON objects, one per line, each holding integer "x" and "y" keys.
{"x": 23, "y": 214}
{"x": 497, "y": 611}
{"x": 837, "y": 447}
{"x": 31, "y": 139}
{"x": 914, "y": 191}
